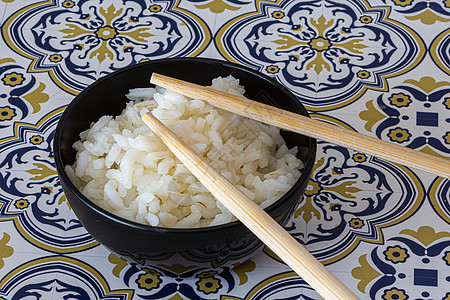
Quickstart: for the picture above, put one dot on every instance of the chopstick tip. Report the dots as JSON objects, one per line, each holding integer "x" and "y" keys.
{"x": 156, "y": 77}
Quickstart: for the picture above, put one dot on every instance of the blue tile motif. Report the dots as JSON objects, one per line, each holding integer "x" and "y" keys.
{"x": 31, "y": 194}
{"x": 77, "y": 42}
{"x": 427, "y": 119}
{"x": 425, "y": 277}
{"x": 71, "y": 281}
{"x": 414, "y": 116}
{"x": 411, "y": 254}
{"x": 327, "y": 53}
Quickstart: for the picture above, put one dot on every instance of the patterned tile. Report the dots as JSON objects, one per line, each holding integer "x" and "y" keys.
{"x": 7, "y": 237}
{"x": 325, "y": 55}
{"x": 31, "y": 194}
{"x": 439, "y": 51}
{"x": 405, "y": 263}
{"x": 410, "y": 263}
{"x": 98, "y": 39}
{"x": 59, "y": 276}
{"x": 377, "y": 67}
{"x": 26, "y": 96}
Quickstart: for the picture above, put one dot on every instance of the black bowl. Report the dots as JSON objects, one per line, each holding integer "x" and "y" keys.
{"x": 211, "y": 247}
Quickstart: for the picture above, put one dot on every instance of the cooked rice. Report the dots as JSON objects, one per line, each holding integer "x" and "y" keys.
{"x": 124, "y": 168}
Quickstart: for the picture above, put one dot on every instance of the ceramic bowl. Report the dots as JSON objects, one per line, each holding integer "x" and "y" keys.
{"x": 213, "y": 247}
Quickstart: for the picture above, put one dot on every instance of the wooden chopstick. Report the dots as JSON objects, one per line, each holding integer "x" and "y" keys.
{"x": 307, "y": 126}
{"x": 254, "y": 217}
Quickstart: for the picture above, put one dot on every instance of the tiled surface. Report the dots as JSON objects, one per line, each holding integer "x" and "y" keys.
{"x": 379, "y": 67}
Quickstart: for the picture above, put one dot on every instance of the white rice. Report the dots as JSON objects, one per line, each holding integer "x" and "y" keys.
{"x": 124, "y": 168}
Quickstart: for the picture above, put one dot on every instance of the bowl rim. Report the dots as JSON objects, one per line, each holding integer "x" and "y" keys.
{"x": 63, "y": 177}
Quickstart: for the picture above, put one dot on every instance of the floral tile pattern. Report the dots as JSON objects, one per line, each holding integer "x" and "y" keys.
{"x": 327, "y": 53}
{"x": 97, "y": 39}
{"x": 377, "y": 67}
{"x": 350, "y": 198}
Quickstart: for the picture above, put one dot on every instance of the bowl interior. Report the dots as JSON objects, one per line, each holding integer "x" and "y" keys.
{"x": 107, "y": 97}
